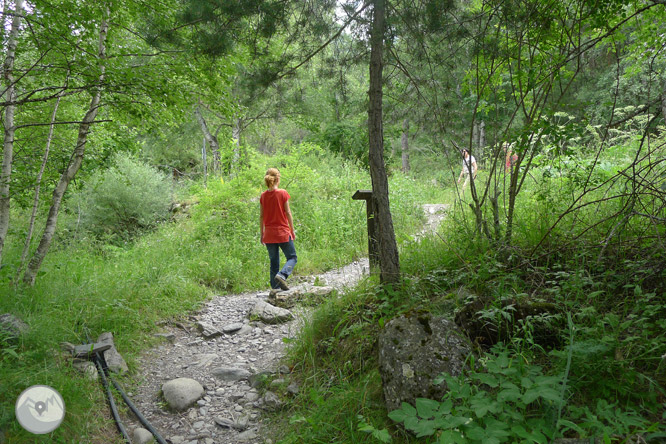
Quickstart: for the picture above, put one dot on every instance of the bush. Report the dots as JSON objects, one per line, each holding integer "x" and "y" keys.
{"x": 125, "y": 200}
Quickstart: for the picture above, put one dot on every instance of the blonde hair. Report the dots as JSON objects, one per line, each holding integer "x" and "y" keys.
{"x": 271, "y": 177}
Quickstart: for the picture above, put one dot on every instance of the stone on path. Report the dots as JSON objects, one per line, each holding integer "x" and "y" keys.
{"x": 12, "y": 326}
{"x": 240, "y": 424}
{"x": 207, "y": 330}
{"x": 232, "y": 328}
{"x": 270, "y": 314}
{"x": 168, "y": 336}
{"x": 231, "y": 373}
{"x": 181, "y": 393}
{"x": 248, "y": 435}
{"x": 142, "y": 436}
{"x": 413, "y": 351}
{"x": 289, "y": 298}
{"x": 113, "y": 359}
{"x": 272, "y": 401}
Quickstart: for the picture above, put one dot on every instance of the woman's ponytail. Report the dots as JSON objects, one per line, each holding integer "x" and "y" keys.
{"x": 271, "y": 177}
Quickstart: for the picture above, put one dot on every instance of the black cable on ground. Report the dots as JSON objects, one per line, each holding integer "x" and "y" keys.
{"x": 103, "y": 369}
{"x": 112, "y": 404}
{"x": 138, "y": 414}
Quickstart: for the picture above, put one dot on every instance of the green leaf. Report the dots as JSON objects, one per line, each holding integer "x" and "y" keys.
{"x": 411, "y": 423}
{"x": 488, "y": 379}
{"x": 509, "y": 395}
{"x": 451, "y": 437}
{"x": 425, "y": 428}
{"x": 426, "y": 408}
{"x": 382, "y": 435}
{"x": 530, "y": 396}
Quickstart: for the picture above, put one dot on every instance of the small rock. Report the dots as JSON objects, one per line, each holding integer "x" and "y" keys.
{"x": 168, "y": 336}
{"x": 177, "y": 439}
{"x": 244, "y": 330}
{"x": 246, "y": 436}
{"x": 86, "y": 367}
{"x": 293, "y": 388}
{"x": 272, "y": 401}
{"x": 113, "y": 359}
{"x": 13, "y": 326}
{"x": 207, "y": 330}
{"x": 231, "y": 328}
{"x": 251, "y": 396}
{"x": 142, "y": 436}
{"x": 270, "y": 314}
{"x": 181, "y": 393}
{"x": 230, "y": 373}
{"x": 226, "y": 423}
{"x": 197, "y": 425}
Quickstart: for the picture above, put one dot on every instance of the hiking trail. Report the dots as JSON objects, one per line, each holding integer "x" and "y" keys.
{"x": 228, "y": 346}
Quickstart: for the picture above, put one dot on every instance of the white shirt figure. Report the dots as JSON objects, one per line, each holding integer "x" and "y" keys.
{"x": 468, "y": 162}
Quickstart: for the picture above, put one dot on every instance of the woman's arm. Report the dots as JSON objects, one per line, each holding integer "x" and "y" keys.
{"x": 261, "y": 223}
{"x": 287, "y": 210}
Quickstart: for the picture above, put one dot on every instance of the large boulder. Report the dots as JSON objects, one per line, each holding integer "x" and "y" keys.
{"x": 413, "y": 351}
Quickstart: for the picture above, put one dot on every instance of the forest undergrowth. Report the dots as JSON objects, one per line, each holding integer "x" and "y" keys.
{"x": 599, "y": 372}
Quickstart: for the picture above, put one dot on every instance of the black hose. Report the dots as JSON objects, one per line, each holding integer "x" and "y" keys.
{"x": 103, "y": 369}
{"x": 138, "y": 414}
{"x": 109, "y": 397}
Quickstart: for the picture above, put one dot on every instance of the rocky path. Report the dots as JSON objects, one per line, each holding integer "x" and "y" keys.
{"x": 216, "y": 364}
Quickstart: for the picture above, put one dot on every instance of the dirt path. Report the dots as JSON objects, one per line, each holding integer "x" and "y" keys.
{"x": 231, "y": 361}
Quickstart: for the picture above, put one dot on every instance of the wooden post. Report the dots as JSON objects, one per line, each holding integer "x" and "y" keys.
{"x": 373, "y": 245}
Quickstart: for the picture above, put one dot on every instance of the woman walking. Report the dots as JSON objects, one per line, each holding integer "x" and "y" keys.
{"x": 277, "y": 229}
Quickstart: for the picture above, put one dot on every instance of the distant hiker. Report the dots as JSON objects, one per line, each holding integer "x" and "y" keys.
{"x": 277, "y": 229}
{"x": 469, "y": 162}
{"x": 511, "y": 158}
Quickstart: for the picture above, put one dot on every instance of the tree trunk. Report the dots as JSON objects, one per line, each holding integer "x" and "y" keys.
{"x": 8, "y": 121}
{"x": 405, "y": 146}
{"x": 35, "y": 204}
{"x": 663, "y": 103}
{"x": 210, "y": 138}
{"x": 389, "y": 262}
{"x": 482, "y": 143}
{"x": 236, "y": 135}
{"x": 74, "y": 163}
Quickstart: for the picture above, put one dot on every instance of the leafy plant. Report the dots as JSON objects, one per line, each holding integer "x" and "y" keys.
{"x": 124, "y": 200}
{"x": 508, "y": 402}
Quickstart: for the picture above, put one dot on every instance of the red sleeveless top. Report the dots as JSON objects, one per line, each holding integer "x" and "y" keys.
{"x": 276, "y": 224}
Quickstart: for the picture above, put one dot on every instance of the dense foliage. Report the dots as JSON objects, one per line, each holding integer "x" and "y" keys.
{"x": 136, "y": 135}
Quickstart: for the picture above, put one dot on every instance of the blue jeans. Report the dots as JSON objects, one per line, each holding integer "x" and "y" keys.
{"x": 274, "y": 255}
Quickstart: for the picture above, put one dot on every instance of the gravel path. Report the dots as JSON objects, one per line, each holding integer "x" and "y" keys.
{"x": 230, "y": 353}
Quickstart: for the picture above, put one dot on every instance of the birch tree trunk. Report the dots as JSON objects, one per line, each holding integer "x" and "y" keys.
{"x": 210, "y": 138}
{"x": 663, "y": 102}
{"x": 35, "y": 203}
{"x": 74, "y": 163}
{"x": 405, "y": 146}
{"x": 236, "y": 135}
{"x": 8, "y": 122}
{"x": 389, "y": 263}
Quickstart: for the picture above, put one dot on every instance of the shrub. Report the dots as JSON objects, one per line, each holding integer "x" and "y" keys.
{"x": 128, "y": 198}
